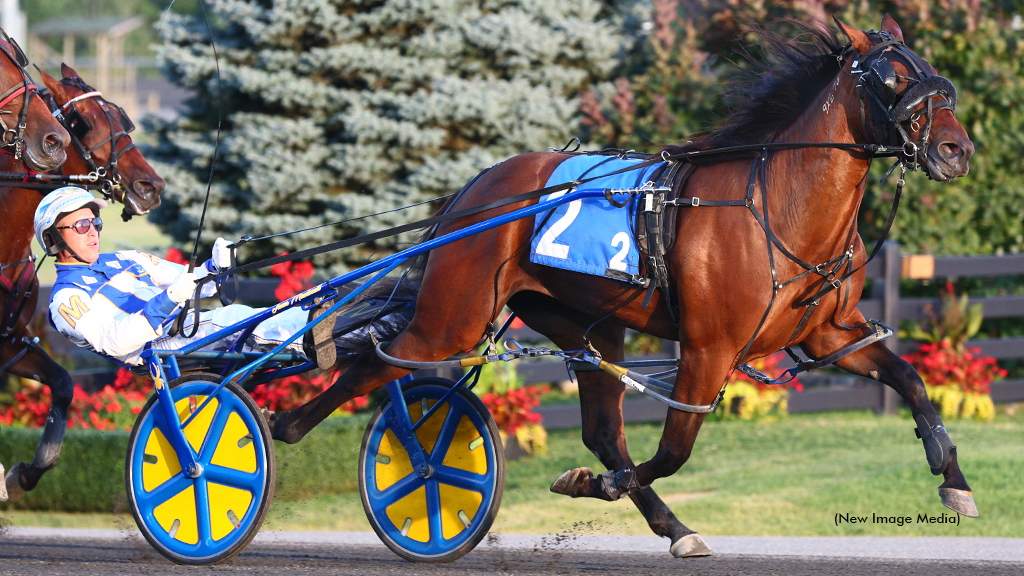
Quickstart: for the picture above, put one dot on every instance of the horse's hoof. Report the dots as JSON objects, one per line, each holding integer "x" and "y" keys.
{"x": 12, "y": 484}
{"x": 568, "y": 483}
{"x": 690, "y": 546}
{"x": 959, "y": 501}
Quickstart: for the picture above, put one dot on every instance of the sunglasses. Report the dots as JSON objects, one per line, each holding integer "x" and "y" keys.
{"x": 82, "y": 226}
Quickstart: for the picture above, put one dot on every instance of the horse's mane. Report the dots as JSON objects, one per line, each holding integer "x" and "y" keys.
{"x": 791, "y": 73}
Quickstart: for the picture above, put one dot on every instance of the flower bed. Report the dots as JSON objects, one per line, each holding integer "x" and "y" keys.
{"x": 958, "y": 382}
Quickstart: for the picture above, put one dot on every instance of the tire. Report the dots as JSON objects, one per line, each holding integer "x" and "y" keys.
{"x": 454, "y": 527}
{"x": 197, "y": 521}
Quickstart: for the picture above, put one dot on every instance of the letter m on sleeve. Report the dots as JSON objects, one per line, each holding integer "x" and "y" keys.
{"x": 73, "y": 310}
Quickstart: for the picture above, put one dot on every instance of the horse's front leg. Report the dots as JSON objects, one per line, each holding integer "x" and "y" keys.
{"x": 879, "y": 363}
{"x": 37, "y": 365}
{"x": 702, "y": 374}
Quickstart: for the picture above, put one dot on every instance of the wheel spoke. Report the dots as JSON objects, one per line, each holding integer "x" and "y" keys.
{"x": 203, "y": 511}
{"x": 234, "y": 478}
{"x": 462, "y": 479}
{"x": 402, "y": 488}
{"x": 444, "y": 438}
{"x": 163, "y": 492}
{"x": 220, "y": 419}
{"x": 434, "y": 510}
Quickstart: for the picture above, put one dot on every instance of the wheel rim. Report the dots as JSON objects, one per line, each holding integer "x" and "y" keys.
{"x": 434, "y": 516}
{"x": 199, "y": 518}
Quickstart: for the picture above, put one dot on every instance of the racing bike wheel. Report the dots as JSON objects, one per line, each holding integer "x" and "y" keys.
{"x": 211, "y": 518}
{"x": 441, "y": 517}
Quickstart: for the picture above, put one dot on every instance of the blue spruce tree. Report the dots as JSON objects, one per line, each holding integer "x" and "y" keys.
{"x": 340, "y": 108}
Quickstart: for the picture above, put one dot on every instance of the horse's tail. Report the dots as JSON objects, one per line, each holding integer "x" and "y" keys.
{"x": 383, "y": 310}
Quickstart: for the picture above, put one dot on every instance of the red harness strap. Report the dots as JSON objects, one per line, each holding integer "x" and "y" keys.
{"x": 15, "y": 94}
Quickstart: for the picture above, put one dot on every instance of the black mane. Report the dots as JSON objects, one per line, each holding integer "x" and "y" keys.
{"x": 791, "y": 74}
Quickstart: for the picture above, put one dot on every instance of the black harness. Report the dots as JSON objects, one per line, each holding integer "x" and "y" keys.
{"x": 105, "y": 179}
{"x": 891, "y": 114}
{"x": 15, "y": 137}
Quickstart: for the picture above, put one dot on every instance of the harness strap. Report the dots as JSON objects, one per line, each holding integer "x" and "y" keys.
{"x": 14, "y": 92}
{"x": 79, "y": 98}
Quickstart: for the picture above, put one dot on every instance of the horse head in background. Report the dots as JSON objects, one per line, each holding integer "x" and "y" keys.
{"x": 100, "y": 131}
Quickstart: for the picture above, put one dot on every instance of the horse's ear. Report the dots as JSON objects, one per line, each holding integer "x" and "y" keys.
{"x": 889, "y": 25}
{"x": 67, "y": 71}
{"x": 55, "y": 87}
{"x": 861, "y": 42}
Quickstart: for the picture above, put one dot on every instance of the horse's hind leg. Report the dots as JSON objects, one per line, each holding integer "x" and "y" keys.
{"x": 879, "y": 363}
{"x": 37, "y": 365}
{"x": 601, "y": 408}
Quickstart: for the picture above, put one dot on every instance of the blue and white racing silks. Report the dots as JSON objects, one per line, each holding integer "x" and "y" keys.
{"x": 118, "y": 304}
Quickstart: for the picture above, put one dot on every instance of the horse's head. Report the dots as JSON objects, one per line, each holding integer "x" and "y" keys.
{"x": 29, "y": 132}
{"x": 100, "y": 132}
{"x": 905, "y": 103}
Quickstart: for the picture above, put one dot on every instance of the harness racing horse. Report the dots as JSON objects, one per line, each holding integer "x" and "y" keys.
{"x": 102, "y": 148}
{"x": 744, "y": 283}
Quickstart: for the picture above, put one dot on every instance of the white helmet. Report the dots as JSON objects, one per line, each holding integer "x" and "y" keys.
{"x": 54, "y": 205}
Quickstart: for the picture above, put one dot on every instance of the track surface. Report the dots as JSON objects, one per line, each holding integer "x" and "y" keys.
{"x": 29, "y": 552}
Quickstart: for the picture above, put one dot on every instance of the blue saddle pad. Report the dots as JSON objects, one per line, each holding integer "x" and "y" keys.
{"x": 591, "y": 235}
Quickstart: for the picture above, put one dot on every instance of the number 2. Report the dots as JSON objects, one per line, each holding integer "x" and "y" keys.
{"x": 547, "y": 245}
{"x": 618, "y": 262}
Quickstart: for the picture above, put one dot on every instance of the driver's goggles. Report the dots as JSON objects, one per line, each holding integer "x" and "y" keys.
{"x": 82, "y": 226}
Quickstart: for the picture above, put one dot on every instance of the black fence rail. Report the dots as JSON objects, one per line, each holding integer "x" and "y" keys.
{"x": 822, "y": 392}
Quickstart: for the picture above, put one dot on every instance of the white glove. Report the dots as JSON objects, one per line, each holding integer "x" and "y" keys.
{"x": 183, "y": 288}
{"x": 221, "y": 254}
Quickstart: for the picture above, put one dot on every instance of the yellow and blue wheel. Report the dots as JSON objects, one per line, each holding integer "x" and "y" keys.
{"x": 441, "y": 517}
{"x": 211, "y": 518}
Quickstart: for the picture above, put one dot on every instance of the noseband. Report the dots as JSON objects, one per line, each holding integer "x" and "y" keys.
{"x": 892, "y": 112}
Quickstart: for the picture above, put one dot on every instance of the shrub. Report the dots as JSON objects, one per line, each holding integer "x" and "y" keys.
{"x": 958, "y": 381}
{"x": 957, "y": 377}
{"x": 511, "y": 404}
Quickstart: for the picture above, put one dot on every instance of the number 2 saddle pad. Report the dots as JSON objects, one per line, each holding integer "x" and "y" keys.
{"x": 590, "y": 235}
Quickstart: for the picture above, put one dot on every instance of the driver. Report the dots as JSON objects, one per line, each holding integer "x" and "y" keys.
{"x": 116, "y": 303}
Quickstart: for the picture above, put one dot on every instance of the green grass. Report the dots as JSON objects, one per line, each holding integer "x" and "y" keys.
{"x": 744, "y": 478}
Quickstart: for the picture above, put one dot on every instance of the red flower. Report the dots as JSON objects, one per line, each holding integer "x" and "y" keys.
{"x": 941, "y": 365}
{"x": 176, "y": 256}
{"x": 514, "y": 408}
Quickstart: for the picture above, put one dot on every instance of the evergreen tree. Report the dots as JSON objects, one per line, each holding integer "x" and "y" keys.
{"x": 340, "y": 108}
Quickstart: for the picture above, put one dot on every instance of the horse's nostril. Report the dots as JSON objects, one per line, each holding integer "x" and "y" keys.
{"x": 52, "y": 143}
{"x": 949, "y": 151}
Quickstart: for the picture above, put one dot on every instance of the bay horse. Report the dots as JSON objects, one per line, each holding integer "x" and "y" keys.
{"x": 104, "y": 148}
{"x": 729, "y": 270}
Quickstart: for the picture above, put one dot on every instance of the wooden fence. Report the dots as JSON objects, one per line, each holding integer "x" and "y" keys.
{"x": 823, "y": 392}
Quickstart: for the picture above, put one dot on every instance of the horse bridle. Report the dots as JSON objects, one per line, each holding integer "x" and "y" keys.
{"x": 877, "y": 81}
{"x": 15, "y": 137}
{"x": 79, "y": 127}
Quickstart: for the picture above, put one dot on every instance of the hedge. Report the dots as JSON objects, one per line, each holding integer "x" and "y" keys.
{"x": 90, "y": 475}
